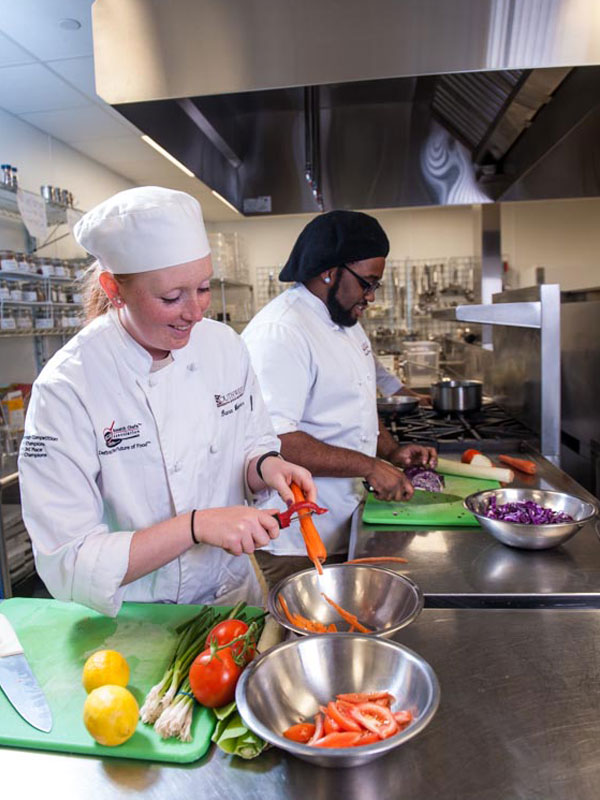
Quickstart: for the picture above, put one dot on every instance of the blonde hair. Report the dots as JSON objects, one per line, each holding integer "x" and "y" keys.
{"x": 95, "y": 300}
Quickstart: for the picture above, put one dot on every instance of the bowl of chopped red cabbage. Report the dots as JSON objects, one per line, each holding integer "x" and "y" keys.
{"x": 533, "y": 519}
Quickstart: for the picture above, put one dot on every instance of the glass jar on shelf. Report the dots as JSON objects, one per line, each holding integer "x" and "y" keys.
{"x": 7, "y": 320}
{"x": 61, "y": 294}
{"x": 8, "y": 261}
{"x": 65, "y": 319}
{"x": 54, "y": 294}
{"x": 59, "y": 269}
{"x": 46, "y": 266}
{"x": 29, "y": 291}
{"x": 16, "y": 291}
{"x": 22, "y": 262}
{"x": 43, "y": 319}
{"x": 24, "y": 319}
{"x": 4, "y": 290}
{"x": 40, "y": 294}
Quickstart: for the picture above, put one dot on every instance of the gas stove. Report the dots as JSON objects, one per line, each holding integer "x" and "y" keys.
{"x": 492, "y": 427}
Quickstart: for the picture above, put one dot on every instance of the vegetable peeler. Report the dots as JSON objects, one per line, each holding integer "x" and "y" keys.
{"x": 284, "y": 518}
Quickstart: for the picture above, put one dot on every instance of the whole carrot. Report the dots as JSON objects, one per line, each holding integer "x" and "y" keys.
{"x": 519, "y": 463}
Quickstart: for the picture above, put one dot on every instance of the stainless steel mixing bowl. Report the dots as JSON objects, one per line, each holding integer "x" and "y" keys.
{"x": 531, "y": 537}
{"x": 288, "y": 683}
{"x": 383, "y": 600}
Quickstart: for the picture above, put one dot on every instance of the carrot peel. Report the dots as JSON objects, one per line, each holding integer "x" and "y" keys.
{"x": 352, "y": 619}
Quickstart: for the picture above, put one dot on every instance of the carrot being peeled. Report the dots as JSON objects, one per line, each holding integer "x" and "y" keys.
{"x": 315, "y": 549}
{"x": 519, "y": 463}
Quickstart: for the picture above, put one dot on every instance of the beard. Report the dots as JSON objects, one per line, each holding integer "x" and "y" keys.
{"x": 339, "y": 314}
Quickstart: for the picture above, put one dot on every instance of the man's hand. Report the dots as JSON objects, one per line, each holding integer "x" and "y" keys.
{"x": 413, "y": 455}
{"x": 388, "y": 482}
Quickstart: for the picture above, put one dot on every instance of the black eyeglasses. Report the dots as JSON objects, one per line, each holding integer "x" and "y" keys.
{"x": 366, "y": 285}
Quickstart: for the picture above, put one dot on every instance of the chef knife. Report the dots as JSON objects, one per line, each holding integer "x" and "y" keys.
{"x": 425, "y": 497}
{"x": 18, "y": 681}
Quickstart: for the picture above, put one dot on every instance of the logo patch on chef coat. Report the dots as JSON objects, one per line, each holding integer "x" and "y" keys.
{"x": 113, "y": 436}
{"x": 230, "y": 397}
{"x": 366, "y": 348}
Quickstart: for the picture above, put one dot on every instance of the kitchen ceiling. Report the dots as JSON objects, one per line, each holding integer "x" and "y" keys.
{"x": 47, "y": 80}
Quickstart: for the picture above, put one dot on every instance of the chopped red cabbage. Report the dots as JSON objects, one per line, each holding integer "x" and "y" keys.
{"x": 424, "y": 478}
{"x": 525, "y": 513}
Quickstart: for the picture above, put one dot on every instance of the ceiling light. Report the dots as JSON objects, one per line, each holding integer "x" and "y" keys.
{"x": 227, "y": 203}
{"x": 167, "y": 155}
{"x": 69, "y": 24}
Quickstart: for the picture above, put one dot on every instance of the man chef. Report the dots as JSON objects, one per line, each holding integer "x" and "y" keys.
{"x": 147, "y": 431}
{"x": 317, "y": 374}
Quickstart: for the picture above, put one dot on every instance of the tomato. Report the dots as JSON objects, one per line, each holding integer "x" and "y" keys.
{"x": 341, "y": 739}
{"x": 368, "y": 738}
{"x": 301, "y": 732}
{"x": 226, "y": 632}
{"x": 339, "y": 714}
{"x": 384, "y": 698}
{"x": 375, "y": 718}
{"x": 403, "y": 718}
{"x": 213, "y": 678}
{"x": 330, "y": 725}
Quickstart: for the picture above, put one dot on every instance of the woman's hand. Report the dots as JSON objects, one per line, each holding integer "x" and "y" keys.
{"x": 414, "y": 455}
{"x": 237, "y": 529}
{"x": 278, "y": 474}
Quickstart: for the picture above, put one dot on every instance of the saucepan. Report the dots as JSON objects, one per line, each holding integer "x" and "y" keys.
{"x": 397, "y": 404}
{"x": 456, "y": 396}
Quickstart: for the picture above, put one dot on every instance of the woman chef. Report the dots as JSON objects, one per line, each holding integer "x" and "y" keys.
{"x": 147, "y": 431}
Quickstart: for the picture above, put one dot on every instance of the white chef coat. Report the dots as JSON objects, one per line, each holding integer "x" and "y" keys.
{"x": 319, "y": 378}
{"x": 111, "y": 447}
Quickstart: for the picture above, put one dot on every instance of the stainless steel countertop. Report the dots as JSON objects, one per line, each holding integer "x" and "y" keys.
{"x": 519, "y": 719}
{"x": 467, "y": 567}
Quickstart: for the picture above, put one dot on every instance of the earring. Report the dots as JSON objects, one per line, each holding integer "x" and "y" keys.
{"x": 327, "y": 279}
{"x": 118, "y": 301}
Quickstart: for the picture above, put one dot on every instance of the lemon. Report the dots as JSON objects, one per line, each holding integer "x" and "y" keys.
{"x": 105, "y": 666}
{"x": 110, "y": 713}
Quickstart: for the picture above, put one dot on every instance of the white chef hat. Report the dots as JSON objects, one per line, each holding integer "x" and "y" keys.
{"x": 143, "y": 229}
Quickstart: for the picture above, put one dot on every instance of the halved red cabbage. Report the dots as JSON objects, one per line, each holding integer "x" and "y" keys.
{"x": 424, "y": 478}
{"x": 525, "y": 513}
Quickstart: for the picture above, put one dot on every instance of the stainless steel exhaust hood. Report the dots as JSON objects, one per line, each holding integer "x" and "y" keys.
{"x": 286, "y": 107}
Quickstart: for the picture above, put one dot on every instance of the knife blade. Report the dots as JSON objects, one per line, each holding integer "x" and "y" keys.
{"x": 18, "y": 682}
{"x": 425, "y": 497}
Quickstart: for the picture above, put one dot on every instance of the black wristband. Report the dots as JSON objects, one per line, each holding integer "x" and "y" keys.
{"x": 192, "y": 527}
{"x": 262, "y": 458}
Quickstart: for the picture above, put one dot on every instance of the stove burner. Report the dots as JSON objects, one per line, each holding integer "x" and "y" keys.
{"x": 426, "y": 426}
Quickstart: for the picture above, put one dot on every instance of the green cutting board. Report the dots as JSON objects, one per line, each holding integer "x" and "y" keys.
{"x": 58, "y": 638}
{"x": 415, "y": 512}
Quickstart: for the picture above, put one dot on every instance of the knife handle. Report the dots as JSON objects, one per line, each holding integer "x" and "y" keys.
{"x": 9, "y": 644}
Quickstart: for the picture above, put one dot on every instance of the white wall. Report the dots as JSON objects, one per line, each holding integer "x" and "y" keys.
{"x": 561, "y": 235}
{"x": 414, "y": 233}
{"x": 42, "y": 159}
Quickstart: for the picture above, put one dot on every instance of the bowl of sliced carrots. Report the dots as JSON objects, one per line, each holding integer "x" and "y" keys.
{"x": 338, "y": 701}
{"x": 346, "y": 598}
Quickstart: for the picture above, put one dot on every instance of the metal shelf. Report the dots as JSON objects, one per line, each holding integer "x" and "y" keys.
{"x": 55, "y": 214}
{"x": 10, "y": 334}
{"x": 35, "y": 276}
{"x": 38, "y": 303}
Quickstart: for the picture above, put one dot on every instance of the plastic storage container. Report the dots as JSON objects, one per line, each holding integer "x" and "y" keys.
{"x": 422, "y": 361}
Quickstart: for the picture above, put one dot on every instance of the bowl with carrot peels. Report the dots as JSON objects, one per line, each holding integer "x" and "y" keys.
{"x": 346, "y": 598}
{"x": 338, "y": 701}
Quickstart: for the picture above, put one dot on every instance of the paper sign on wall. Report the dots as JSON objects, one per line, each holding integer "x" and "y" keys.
{"x": 33, "y": 212}
{"x": 73, "y": 217}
